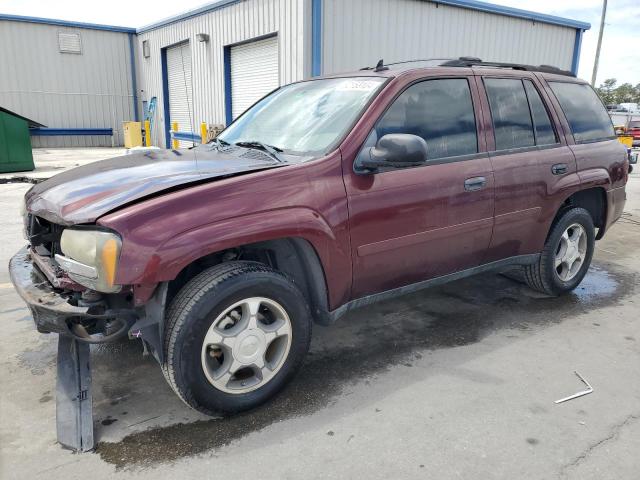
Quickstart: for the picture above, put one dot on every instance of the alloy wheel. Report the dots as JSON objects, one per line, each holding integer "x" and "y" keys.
{"x": 246, "y": 345}
{"x": 570, "y": 252}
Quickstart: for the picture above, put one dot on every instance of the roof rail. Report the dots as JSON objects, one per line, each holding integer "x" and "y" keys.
{"x": 476, "y": 62}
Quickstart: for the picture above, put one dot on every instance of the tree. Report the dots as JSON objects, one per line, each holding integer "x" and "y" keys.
{"x": 625, "y": 93}
{"x": 611, "y": 94}
{"x": 606, "y": 91}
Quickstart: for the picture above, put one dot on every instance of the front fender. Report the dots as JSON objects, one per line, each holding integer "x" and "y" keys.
{"x": 176, "y": 253}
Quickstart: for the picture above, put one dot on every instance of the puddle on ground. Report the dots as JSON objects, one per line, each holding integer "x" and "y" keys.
{"x": 598, "y": 283}
{"x": 371, "y": 340}
{"x": 41, "y": 358}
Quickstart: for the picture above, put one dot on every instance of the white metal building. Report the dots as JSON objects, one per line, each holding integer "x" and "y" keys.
{"x": 208, "y": 65}
{"x": 75, "y": 78}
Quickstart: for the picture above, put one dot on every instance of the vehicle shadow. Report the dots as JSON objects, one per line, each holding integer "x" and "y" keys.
{"x": 366, "y": 343}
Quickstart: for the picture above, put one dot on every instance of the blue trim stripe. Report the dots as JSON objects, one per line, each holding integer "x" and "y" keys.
{"x": 209, "y": 7}
{"x": 65, "y": 23}
{"x": 57, "y": 132}
{"x": 316, "y": 38}
{"x": 515, "y": 12}
{"x": 576, "y": 52}
{"x": 165, "y": 98}
{"x": 134, "y": 82}
{"x": 186, "y": 137}
{"x": 228, "y": 113}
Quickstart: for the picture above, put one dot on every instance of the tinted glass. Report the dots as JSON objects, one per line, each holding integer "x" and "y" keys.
{"x": 439, "y": 111}
{"x": 585, "y": 113}
{"x": 545, "y": 135}
{"x": 510, "y": 113}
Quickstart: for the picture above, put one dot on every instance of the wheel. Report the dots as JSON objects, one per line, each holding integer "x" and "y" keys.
{"x": 566, "y": 256}
{"x": 236, "y": 334}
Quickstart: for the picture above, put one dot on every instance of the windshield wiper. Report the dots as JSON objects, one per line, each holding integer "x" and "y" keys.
{"x": 256, "y": 145}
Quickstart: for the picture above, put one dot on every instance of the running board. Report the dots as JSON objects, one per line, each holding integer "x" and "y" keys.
{"x": 432, "y": 282}
{"x": 74, "y": 405}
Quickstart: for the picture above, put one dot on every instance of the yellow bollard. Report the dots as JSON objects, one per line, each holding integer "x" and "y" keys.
{"x": 147, "y": 133}
{"x": 203, "y": 132}
{"x": 175, "y": 143}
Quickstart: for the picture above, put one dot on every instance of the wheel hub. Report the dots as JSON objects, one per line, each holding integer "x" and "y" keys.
{"x": 246, "y": 345}
{"x": 249, "y": 346}
{"x": 571, "y": 252}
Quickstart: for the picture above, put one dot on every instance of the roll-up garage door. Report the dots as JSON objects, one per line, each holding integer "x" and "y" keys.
{"x": 254, "y": 73}
{"x": 180, "y": 88}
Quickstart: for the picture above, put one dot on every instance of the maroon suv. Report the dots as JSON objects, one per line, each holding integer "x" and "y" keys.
{"x": 324, "y": 196}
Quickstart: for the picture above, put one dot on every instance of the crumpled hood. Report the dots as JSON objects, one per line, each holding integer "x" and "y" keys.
{"x": 83, "y": 194}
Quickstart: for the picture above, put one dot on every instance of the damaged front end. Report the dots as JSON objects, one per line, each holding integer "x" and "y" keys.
{"x": 80, "y": 315}
{"x": 60, "y": 300}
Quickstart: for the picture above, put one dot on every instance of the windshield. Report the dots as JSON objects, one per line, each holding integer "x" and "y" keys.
{"x": 305, "y": 117}
{"x": 634, "y": 124}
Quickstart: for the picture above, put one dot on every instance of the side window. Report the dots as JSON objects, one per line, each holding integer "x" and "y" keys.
{"x": 545, "y": 135}
{"x": 439, "y": 111}
{"x": 585, "y": 112}
{"x": 510, "y": 113}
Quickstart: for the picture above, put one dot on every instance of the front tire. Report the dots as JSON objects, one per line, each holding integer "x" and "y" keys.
{"x": 236, "y": 334}
{"x": 566, "y": 256}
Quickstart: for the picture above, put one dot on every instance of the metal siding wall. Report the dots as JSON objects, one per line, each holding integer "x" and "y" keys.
{"x": 61, "y": 90}
{"x": 358, "y": 33}
{"x": 226, "y": 26}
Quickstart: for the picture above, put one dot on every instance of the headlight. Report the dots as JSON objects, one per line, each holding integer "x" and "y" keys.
{"x": 91, "y": 258}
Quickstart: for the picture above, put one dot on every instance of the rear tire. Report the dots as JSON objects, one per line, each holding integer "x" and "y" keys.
{"x": 566, "y": 256}
{"x": 236, "y": 334}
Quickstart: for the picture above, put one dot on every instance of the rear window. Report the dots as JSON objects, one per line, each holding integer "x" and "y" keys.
{"x": 510, "y": 113}
{"x": 587, "y": 117}
{"x": 634, "y": 124}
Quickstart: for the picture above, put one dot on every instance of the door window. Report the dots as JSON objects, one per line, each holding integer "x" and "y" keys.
{"x": 512, "y": 124}
{"x": 543, "y": 129}
{"x": 440, "y": 111}
{"x": 585, "y": 112}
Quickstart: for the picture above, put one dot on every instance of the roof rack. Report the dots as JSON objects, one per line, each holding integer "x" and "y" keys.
{"x": 476, "y": 62}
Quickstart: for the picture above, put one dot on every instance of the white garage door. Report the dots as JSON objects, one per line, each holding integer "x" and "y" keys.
{"x": 180, "y": 88}
{"x": 254, "y": 73}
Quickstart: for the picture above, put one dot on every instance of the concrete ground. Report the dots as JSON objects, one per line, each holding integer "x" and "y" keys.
{"x": 454, "y": 382}
{"x": 49, "y": 161}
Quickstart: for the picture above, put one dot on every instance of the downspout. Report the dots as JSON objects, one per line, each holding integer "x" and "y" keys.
{"x": 134, "y": 83}
{"x": 576, "y": 51}
{"x": 316, "y": 38}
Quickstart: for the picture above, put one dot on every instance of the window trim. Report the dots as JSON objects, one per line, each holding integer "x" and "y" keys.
{"x": 546, "y": 108}
{"x": 575, "y": 141}
{"x": 506, "y": 151}
{"x": 477, "y": 118}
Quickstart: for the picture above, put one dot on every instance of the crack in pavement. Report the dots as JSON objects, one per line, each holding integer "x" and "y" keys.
{"x": 615, "y": 432}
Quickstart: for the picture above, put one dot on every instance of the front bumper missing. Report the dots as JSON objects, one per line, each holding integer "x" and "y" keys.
{"x": 51, "y": 311}
{"x": 60, "y": 310}
{"x": 50, "y": 308}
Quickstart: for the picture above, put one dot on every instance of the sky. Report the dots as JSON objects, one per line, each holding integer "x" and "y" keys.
{"x": 619, "y": 58}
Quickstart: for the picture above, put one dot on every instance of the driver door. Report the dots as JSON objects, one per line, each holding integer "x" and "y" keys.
{"x": 414, "y": 224}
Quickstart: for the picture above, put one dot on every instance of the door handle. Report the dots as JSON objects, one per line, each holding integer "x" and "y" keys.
{"x": 474, "y": 183}
{"x": 559, "y": 168}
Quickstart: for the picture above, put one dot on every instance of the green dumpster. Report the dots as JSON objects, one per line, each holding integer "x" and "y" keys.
{"x": 15, "y": 142}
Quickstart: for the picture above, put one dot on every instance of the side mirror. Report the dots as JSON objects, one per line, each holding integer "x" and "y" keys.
{"x": 395, "y": 150}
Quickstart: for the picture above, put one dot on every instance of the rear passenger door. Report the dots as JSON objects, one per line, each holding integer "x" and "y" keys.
{"x": 421, "y": 222}
{"x": 525, "y": 150}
